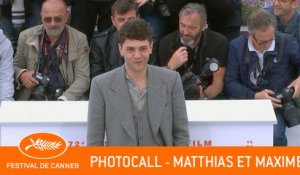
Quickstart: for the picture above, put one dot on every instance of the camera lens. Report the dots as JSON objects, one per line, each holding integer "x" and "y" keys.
{"x": 213, "y": 67}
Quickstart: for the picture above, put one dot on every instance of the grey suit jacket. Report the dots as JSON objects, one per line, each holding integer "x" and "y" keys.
{"x": 110, "y": 109}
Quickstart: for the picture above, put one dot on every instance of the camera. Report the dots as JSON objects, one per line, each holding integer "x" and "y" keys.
{"x": 58, "y": 93}
{"x": 192, "y": 82}
{"x": 290, "y": 111}
{"x": 39, "y": 92}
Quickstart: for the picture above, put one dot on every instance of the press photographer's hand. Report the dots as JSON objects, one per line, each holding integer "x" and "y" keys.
{"x": 27, "y": 80}
{"x": 179, "y": 57}
{"x": 267, "y": 94}
{"x": 296, "y": 85}
{"x": 141, "y": 2}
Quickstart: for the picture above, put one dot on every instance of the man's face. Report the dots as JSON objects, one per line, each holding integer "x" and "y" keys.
{"x": 119, "y": 19}
{"x": 283, "y": 7}
{"x": 190, "y": 28}
{"x": 54, "y": 17}
{"x": 262, "y": 39}
{"x": 136, "y": 54}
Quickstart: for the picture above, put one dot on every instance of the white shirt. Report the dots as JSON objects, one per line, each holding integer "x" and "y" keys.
{"x": 260, "y": 56}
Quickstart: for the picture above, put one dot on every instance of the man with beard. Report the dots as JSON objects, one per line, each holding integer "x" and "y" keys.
{"x": 52, "y": 60}
{"x": 190, "y": 48}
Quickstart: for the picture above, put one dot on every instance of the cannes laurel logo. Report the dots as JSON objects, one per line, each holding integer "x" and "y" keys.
{"x": 43, "y": 146}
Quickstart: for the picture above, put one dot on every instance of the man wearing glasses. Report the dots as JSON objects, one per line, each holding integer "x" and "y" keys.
{"x": 51, "y": 62}
{"x": 258, "y": 66}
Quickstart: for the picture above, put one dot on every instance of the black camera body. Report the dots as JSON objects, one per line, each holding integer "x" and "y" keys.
{"x": 192, "y": 82}
{"x": 43, "y": 80}
{"x": 290, "y": 112}
{"x": 39, "y": 92}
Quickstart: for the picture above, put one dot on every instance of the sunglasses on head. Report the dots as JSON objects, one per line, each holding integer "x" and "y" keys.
{"x": 56, "y": 19}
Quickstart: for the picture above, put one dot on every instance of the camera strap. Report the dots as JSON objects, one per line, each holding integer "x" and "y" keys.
{"x": 40, "y": 38}
{"x": 45, "y": 47}
{"x": 261, "y": 72}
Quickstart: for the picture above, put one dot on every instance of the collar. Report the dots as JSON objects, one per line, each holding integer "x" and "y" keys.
{"x": 203, "y": 40}
{"x": 251, "y": 47}
{"x": 292, "y": 24}
{"x": 61, "y": 39}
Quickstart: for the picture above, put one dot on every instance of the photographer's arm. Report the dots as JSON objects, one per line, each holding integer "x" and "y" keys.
{"x": 81, "y": 72}
{"x": 23, "y": 75}
{"x": 96, "y": 57}
{"x": 217, "y": 85}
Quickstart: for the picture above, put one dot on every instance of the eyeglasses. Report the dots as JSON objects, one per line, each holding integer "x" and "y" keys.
{"x": 260, "y": 42}
{"x": 56, "y": 19}
{"x": 282, "y": 2}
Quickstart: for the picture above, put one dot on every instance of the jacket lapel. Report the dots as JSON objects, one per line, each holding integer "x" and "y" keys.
{"x": 157, "y": 99}
{"x": 121, "y": 101}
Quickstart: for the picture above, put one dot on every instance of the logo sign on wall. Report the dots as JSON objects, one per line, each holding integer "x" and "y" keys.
{"x": 43, "y": 146}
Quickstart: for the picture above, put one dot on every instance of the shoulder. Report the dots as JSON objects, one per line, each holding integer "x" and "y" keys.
{"x": 4, "y": 41}
{"x": 169, "y": 37}
{"x": 215, "y": 36}
{"x": 74, "y": 33}
{"x": 240, "y": 40}
{"x": 288, "y": 38}
{"x": 163, "y": 73}
{"x": 107, "y": 77}
{"x": 32, "y": 31}
{"x": 106, "y": 32}
{"x": 104, "y": 35}
{"x": 297, "y": 13}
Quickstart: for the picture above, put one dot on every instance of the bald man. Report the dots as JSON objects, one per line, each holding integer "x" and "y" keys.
{"x": 51, "y": 62}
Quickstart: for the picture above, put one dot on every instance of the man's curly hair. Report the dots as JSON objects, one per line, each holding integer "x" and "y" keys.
{"x": 135, "y": 29}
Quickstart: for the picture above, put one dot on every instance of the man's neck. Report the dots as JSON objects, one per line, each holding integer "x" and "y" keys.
{"x": 285, "y": 19}
{"x": 138, "y": 78}
{"x": 53, "y": 39}
{"x": 197, "y": 42}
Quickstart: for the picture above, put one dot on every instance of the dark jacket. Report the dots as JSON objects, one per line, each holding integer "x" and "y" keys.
{"x": 278, "y": 75}
{"x": 212, "y": 45}
{"x": 105, "y": 55}
{"x": 293, "y": 26}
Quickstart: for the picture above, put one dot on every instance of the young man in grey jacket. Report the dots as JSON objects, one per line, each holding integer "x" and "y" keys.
{"x": 137, "y": 104}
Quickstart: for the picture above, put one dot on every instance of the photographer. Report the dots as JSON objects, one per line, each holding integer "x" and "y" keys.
{"x": 258, "y": 67}
{"x": 51, "y": 62}
{"x": 104, "y": 54}
{"x": 189, "y": 48}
